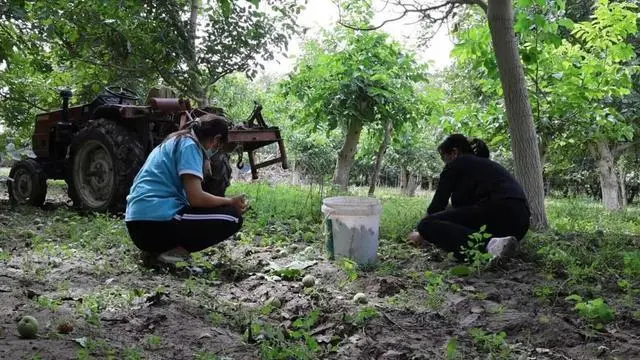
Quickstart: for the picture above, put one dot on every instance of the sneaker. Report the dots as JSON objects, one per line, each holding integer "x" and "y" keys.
{"x": 174, "y": 256}
{"x": 502, "y": 248}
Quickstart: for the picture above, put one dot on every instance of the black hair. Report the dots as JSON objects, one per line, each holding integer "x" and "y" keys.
{"x": 205, "y": 127}
{"x": 476, "y": 146}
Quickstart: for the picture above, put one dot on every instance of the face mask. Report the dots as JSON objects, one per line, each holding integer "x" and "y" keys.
{"x": 211, "y": 152}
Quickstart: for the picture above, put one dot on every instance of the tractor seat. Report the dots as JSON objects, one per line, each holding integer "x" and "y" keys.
{"x": 169, "y": 105}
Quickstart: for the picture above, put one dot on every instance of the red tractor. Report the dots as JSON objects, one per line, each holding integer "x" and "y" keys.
{"x": 98, "y": 147}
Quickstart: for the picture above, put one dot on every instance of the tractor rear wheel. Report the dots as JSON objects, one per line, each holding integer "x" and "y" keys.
{"x": 27, "y": 184}
{"x": 105, "y": 158}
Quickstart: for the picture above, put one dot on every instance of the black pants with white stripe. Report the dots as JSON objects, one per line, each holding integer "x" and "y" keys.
{"x": 194, "y": 229}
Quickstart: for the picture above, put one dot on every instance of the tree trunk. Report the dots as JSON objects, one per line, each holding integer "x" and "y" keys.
{"x": 380, "y": 156}
{"x": 542, "y": 148}
{"x": 605, "y": 161}
{"x": 623, "y": 188}
{"x": 404, "y": 180}
{"x": 347, "y": 154}
{"x": 412, "y": 185}
{"x": 632, "y": 194}
{"x": 193, "y": 26}
{"x": 199, "y": 91}
{"x": 524, "y": 144}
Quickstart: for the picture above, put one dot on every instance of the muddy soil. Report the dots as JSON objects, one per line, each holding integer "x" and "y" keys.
{"x": 223, "y": 309}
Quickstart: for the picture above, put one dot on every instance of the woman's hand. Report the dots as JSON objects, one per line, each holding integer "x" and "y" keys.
{"x": 415, "y": 239}
{"x": 240, "y": 203}
{"x": 200, "y": 199}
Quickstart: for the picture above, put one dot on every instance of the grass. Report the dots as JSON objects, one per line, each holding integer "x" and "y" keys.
{"x": 269, "y": 203}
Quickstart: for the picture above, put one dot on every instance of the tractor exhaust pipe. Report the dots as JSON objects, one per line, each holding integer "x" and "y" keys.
{"x": 66, "y": 94}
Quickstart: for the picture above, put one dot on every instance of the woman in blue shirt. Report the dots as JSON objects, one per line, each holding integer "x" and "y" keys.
{"x": 482, "y": 193}
{"x": 168, "y": 215}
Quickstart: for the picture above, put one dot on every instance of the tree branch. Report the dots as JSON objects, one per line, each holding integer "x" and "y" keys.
{"x": 24, "y": 101}
{"x": 424, "y": 11}
{"x": 480, "y": 3}
{"x": 104, "y": 65}
{"x": 373, "y": 27}
{"x": 620, "y": 148}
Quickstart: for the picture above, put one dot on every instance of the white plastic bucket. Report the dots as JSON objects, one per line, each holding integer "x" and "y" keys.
{"x": 352, "y": 226}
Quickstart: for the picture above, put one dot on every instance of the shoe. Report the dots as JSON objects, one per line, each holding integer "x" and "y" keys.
{"x": 174, "y": 256}
{"x": 502, "y": 248}
{"x": 148, "y": 259}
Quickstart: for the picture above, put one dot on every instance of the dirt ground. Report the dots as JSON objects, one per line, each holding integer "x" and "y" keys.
{"x": 63, "y": 268}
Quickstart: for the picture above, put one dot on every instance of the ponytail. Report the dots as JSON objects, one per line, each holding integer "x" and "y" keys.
{"x": 476, "y": 146}
{"x": 479, "y": 148}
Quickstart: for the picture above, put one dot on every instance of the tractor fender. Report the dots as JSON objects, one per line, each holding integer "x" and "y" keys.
{"x": 108, "y": 111}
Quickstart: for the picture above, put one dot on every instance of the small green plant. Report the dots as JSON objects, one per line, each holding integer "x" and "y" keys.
{"x": 436, "y": 289}
{"x": 625, "y": 285}
{"x": 205, "y": 355}
{"x": 91, "y": 308}
{"x": 91, "y": 346}
{"x": 5, "y": 256}
{"x": 632, "y": 263}
{"x": 277, "y": 343}
{"x": 596, "y": 311}
{"x": 288, "y": 274}
{"x": 133, "y": 353}
{"x": 154, "y": 341}
{"x": 350, "y": 267}
{"x": 475, "y": 253}
{"x": 49, "y": 303}
{"x": 494, "y": 344}
{"x": 544, "y": 291}
{"x": 363, "y": 316}
{"x": 452, "y": 348}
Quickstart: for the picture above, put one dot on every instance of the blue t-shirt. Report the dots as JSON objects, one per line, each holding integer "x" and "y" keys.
{"x": 157, "y": 192}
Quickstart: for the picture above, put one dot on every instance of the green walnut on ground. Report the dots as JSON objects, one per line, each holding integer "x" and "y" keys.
{"x": 308, "y": 281}
{"x": 274, "y": 302}
{"x": 28, "y": 327}
{"x": 360, "y": 298}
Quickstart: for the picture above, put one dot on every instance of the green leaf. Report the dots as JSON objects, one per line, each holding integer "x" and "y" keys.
{"x": 255, "y": 3}
{"x": 460, "y": 270}
{"x": 522, "y": 24}
{"x": 452, "y": 348}
{"x": 574, "y": 297}
{"x": 225, "y": 6}
{"x": 566, "y": 22}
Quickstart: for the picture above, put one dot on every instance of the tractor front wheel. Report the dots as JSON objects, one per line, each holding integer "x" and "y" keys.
{"x": 27, "y": 183}
{"x": 105, "y": 158}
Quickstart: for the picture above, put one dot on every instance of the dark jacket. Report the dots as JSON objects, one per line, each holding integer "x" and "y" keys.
{"x": 471, "y": 180}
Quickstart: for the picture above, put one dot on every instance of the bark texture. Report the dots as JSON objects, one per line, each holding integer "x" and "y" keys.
{"x": 605, "y": 161}
{"x": 524, "y": 144}
{"x": 347, "y": 154}
{"x": 380, "y": 156}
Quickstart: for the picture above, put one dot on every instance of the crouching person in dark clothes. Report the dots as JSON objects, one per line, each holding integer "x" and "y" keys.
{"x": 483, "y": 193}
{"x": 168, "y": 215}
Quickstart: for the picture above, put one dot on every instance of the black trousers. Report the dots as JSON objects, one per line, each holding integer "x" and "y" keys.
{"x": 450, "y": 229}
{"x": 194, "y": 229}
